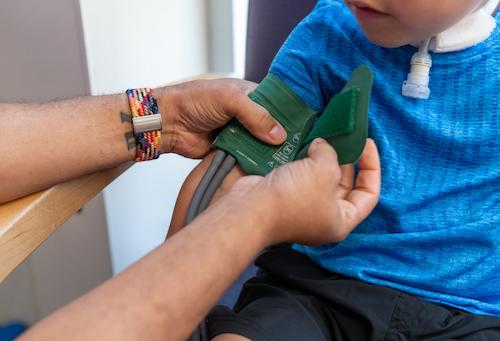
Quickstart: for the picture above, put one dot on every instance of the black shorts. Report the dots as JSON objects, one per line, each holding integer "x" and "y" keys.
{"x": 294, "y": 299}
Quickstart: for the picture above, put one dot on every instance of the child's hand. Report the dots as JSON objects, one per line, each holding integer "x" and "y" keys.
{"x": 312, "y": 201}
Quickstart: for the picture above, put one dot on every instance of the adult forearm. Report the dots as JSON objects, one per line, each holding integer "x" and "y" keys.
{"x": 165, "y": 294}
{"x": 44, "y": 144}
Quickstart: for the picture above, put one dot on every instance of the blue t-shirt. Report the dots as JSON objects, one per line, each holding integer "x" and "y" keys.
{"x": 436, "y": 230}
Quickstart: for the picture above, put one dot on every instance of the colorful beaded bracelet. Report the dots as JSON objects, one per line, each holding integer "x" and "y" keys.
{"x": 147, "y": 123}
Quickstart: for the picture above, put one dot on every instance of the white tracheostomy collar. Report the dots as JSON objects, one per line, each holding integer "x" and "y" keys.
{"x": 470, "y": 31}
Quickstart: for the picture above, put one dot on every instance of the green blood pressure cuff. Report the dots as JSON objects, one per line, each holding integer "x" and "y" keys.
{"x": 344, "y": 124}
{"x": 259, "y": 158}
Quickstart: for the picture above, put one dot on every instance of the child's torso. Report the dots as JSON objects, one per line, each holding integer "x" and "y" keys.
{"x": 436, "y": 230}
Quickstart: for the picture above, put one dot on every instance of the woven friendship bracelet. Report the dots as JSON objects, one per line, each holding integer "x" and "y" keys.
{"x": 147, "y": 123}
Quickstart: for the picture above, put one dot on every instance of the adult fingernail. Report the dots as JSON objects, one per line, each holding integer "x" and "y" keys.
{"x": 278, "y": 133}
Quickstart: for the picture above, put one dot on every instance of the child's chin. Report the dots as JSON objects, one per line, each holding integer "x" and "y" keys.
{"x": 385, "y": 41}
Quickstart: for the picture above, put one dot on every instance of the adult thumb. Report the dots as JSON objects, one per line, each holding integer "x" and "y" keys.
{"x": 259, "y": 122}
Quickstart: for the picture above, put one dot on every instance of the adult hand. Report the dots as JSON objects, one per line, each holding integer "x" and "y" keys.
{"x": 193, "y": 110}
{"x": 313, "y": 201}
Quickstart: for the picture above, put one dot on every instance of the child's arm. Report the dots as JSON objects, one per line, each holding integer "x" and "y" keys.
{"x": 186, "y": 193}
{"x": 189, "y": 186}
{"x": 305, "y": 60}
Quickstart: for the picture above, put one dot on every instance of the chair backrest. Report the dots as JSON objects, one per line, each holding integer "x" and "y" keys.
{"x": 269, "y": 23}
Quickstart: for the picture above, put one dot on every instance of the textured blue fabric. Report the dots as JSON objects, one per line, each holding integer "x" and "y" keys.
{"x": 436, "y": 230}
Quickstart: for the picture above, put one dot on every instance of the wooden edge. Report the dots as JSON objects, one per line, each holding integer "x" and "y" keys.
{"x": 34, "y": 218}
{"x": 27, "y": 222}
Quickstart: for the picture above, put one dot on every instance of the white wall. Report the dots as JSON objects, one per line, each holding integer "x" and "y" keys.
{"x": 139, "y": 205}
{"x": 133, "y": 44}
{"x": 143, "y": 43}
{"x": 220, "y": 36}
{"x": 227, "y": 28}
{"x": 227, "y": 25}
{"x": 240, "y": 19}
